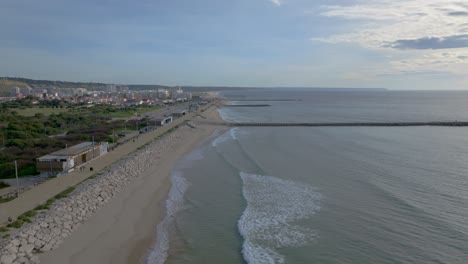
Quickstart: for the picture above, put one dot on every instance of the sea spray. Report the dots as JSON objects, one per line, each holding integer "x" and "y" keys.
{"x": 268, "y": 222}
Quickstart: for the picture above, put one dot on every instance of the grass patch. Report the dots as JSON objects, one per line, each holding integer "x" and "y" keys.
{"x": 41, "y": 207}
{"x": 64, "y": 193}
{"x": 3, "y": 185}
{"x": 6, "y": 236}
{"x": 28, "y": 214}
{"x": 127, "y": 112}
{"x": 5, "y": 200}
{"x": 25, "y": 217}
{"x": 46, "y": 206}
{"x": 3, "y": 229}
{"x": 37, "y": 110}
{"x": 16, "y": 224}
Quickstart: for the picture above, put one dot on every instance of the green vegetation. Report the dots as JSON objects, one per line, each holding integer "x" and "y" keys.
{"x": 24, "y": 218}
{"x": 6, "y": 236}
{"x": 39, "y": 110}
{"x": 64, "y": 193}
{"x": 5, "y": 200}
{"x": 16, "y": 224}
{"x": 3, "y": 229}
{"x": 3, "y": 185}
{"x": 27, "y": 214}
{"x": 26, "y": 138}
{"x": 46, "y": 206}
{"x": 121, "y": 112}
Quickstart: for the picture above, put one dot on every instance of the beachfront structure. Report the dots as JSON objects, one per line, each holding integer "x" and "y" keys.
{"x": 179, "y": 114}
{"x": 161, "y": 121}
{"x": 67, "y": 159}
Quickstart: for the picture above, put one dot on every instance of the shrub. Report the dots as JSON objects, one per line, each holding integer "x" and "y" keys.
{"x": 3, "y": 185}
{"x": 16, "y": 224}
{"x": 28, "y": 214}
{"x": 5, "y": 200}
{"x": 64, "y": 193}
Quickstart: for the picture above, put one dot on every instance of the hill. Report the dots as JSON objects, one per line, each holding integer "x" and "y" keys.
{"x": 8, "y": 83}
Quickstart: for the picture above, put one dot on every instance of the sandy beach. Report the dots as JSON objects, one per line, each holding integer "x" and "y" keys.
{"x": 125, "y": 228}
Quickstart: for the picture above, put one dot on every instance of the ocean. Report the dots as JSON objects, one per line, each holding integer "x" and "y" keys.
{"x": 324, "y": 194}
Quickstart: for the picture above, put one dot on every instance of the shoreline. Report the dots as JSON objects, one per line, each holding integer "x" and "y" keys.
{"x": 124, "y": 230}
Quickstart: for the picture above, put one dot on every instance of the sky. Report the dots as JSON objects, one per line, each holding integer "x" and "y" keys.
{"x": 395, "y": 44}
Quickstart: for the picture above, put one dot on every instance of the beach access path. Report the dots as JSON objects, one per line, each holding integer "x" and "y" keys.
{"x": 28, "y": 200}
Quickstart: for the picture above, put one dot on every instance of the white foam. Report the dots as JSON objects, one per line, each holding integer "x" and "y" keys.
{"x": 229, "y": 115}
{"x": 268, "y": 222}
{"x": 229, "y": 135}
{"x": 234, "y": 132}
{"x": 174, "y": 204}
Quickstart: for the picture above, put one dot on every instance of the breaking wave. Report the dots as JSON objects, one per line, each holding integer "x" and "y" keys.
{"x": 268, "y": 222}
{"x": 174, "y": 204}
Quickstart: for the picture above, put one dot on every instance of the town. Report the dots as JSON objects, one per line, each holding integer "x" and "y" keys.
{"x": 112, "y": 95}
{"x": 49, "y": 131}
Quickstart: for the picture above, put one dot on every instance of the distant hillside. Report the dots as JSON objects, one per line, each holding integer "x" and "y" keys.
{"x": 140, "y": 87}
{"x": 8, "y": 83}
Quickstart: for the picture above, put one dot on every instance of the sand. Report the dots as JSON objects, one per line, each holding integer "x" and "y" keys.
{"x": 125, "y": 229}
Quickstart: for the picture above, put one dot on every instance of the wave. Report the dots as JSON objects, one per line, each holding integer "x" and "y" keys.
{"x": 228, "y": 114}
{"x": 267, "y": 223}
{"x": 231, "y": 134}
{"x": 174, "y": 203}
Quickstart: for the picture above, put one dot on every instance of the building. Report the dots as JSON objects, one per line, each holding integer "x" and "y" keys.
{"x": 67, "y": 159}
{"x": 163, "y": 93}
{"x": 179, "y": 114}
{"x": 193, "y": 107}
{"x": 161, "y": 121}
{"x": 111, "y": 88}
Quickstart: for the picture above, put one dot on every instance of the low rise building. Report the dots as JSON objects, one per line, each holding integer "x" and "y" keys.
{"x": 161, "y": 121}
{"x": 67, "y": 159}
{"x": 179, "y": 114}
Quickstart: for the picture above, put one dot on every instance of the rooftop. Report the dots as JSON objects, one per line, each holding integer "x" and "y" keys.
{"x": 72, "y": 151}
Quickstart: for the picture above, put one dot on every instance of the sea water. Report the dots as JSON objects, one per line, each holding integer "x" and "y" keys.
{"x": 324, "y": 194}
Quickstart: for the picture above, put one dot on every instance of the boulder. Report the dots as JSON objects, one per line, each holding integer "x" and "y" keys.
{"x": 32, "y": 239}
{"x": 47, "y": 238}
{"x": 56, "y": 231}
{"x": 12, "y": 250}
{"x": 27, "y": 248}
{"x": 22, "y": 260}
{"x": 31, "y": 232}
{"x": 34, "y": 259}
{"x": 38, "y": 244}
{"x": 7, "y": 259}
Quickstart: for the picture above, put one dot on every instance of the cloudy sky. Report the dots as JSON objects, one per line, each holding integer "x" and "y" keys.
{"x": 397, "y": 44}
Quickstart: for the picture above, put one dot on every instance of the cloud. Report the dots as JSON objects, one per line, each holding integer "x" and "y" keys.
{"x": 450, "y": 42}
{"x": 416, "y": 33}
{"x": 277, "y": 2}
{"x": 458, "y": 13}
{"x": 388, "y": 21}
